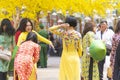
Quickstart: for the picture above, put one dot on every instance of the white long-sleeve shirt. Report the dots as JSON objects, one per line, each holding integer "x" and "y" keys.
{"x": 106, "y": 36}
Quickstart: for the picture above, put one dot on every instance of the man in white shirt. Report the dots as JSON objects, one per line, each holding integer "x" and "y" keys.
{"x": 105, "y": 35}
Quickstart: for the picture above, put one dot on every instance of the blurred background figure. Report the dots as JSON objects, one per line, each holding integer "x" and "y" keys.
{"x": 52, "y": 51}
{"x": 110, "y": 27}
{"x": 98, "y": 28}
{"x": 105, "y": 34}
{"x": 44, "y": 48}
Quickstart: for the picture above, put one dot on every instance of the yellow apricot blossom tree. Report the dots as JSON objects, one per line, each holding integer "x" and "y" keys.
{"x": 14, "y": 9}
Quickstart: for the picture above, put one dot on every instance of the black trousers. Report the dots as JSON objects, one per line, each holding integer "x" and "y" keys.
{"x": 3, "y": 75}
{"x": 101, "y": 67}
{"x": 91, "y": 69}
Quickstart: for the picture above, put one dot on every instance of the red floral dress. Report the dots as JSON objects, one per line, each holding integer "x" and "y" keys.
{"x": 26, "y": 57}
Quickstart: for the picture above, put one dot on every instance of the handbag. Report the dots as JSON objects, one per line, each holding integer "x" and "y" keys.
{"x": 109, "y": 72}
{"x": 5, "y": 54}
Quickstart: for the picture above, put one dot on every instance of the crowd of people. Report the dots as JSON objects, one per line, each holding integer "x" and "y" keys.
{"x": 76, "y": 62}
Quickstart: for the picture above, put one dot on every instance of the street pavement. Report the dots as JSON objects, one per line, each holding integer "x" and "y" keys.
{"x": 52, "y": 71}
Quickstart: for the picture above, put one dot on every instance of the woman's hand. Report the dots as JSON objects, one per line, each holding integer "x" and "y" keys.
{"x": 52, "y": 45}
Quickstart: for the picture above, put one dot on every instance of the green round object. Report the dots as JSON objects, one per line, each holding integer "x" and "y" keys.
{"x": 97, "y": 50}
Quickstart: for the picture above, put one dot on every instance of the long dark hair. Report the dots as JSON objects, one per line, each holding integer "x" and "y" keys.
{"x": 88, "y": 27}
{"x": 117, "y": 27}
{"x": 9, "y": 28}
{"x": 23, "y": 23}
{"x": 32, "y": 36}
